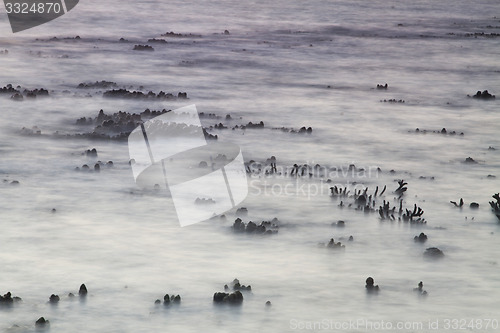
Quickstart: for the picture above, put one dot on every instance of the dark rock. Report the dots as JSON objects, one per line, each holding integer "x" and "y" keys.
{"x": 158, "y": 41}
{"x": 143, "y": 48}
{"x": 340, "y": 224}
{"x": 370, "y": 285}
{"x": 91, "y": 153}
{"x": 6, "y": 299}
{"x": 102, "y": 84}
{"x": 474, "y": 205}
{"x": 219, "y": 297}
{"x": 433, "y": 252}
{"x": 41, "y": 322}
{"x": 483, "y": 95}
{"x": 268, "y": 303}
{"x": 9, "y": 89}
{"x": 251, "y": 227}
{"x": 236, "y": 285}
{"x": 420, "y": 289}
{"x": 470, "y": 160}
{"x": 173, "y": 34}
{"x": 238, "y": 225}
{"x": 392, "y": 101}
{"x": 83, "y": 290}
{"x": 54, "y": 299}
{"x": 232, "y": 299}
{"x": 495, "y": 206}
{"x": 157, "y": 301}
{"x": 17, "y": 97}
{"x": 243, "y": 211}
{"x": 332, "y": 245}
{"x": 460, "y": 204}
{"x": 422, "y": 238}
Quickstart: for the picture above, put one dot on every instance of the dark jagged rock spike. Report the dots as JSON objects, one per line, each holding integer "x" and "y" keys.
{"x": 383, "y": 191}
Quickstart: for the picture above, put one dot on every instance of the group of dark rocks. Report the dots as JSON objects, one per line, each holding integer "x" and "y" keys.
{"x": 484, "y": 95}
{"x": 254, "y": 125}
{"x": 263, "y": 228}
{"x": 443, "y": 131}
{"x": 18, "y": 93}
{"x": 92, "y": 153}
{"x": 371, "y": 288}
{"x": 235, "y": 297}
{"x": 119, "y": 125}
{"x": 169, "y": 300}
{"x": 8, "y": 300}
{"x": 231, "y": 295}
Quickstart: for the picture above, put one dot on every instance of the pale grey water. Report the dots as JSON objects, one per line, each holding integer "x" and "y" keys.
{"x": 127, "y": 246}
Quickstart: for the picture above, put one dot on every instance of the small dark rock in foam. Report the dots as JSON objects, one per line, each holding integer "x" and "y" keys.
{"x": 236, "y": 285}
{"x": 433, "y": 252}
{"x": 370, "y": 285}
{"x": 422, "y": 238}
{"x": 54, "y": 299}
{"x": 41, "y": 322}
{"x": 83, "y": 290}
{"x": 470, "y": 160}
{"x": 339, "y": 224}
{"x": 91, "y": 152}
{"x": 420, "y": 289}
{"x": 243, "y": 211}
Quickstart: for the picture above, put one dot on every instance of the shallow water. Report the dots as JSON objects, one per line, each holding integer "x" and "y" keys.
{"x": 289, "y": 65}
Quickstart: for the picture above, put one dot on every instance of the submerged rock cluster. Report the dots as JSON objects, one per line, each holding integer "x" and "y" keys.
{"x": 234, "y": 298}
{"x": 18, "y": 93}
{"x": 117, "y": 126}
{"x": 169, "y": 300}
{"x": 263, "y": 228}
{"x": 7, "y": 299}
{"x": 128, "y": 94}
{"x": 483, "y": 95}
